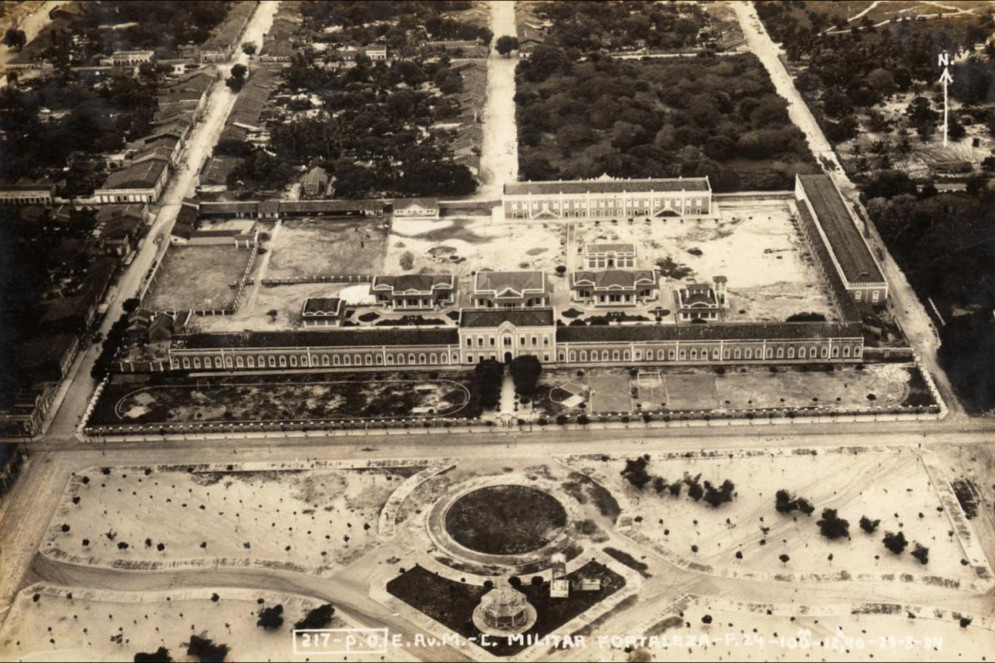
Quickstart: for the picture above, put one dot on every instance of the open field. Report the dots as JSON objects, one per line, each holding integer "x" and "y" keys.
{"x": 755, "y": 244}
{"x": 749, "y": 536}
{"x": 110, "y": 626}
{"x": 609, "y": 390}
{"x": 317, "y": 519}
{"x": 303, "y": 247}
{"x": 197, "y": 278}
{"x": 286, "y": 300}
{"x": 462, "y": 246}
{"x": 763, "y": 632}
{"x": 270, "y": 398}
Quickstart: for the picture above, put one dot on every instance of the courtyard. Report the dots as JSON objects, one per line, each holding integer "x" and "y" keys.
{"x": 326, "y": 246}
{"x": 273, "y": 398}
{"x": 198, "y": 278}
{"x": 620, "y": 390}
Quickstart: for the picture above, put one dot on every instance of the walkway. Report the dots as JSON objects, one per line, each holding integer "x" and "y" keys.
{"x": 499, "y": 150}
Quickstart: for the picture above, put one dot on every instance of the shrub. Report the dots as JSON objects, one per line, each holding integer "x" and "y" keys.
{"x": 319, "y": 617}
{"x": 921, "y": 553}
{"x": 204, "y": 650}
{"x": 868, "y": 525}
{"x": 407, "y": 260}
{"x": 271, "y": 618}
{"x": 832, "y": 526}
{"x": 160, "y": 655}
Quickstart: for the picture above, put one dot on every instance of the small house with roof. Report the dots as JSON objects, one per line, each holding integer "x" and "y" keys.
{"x": 701, "y": 301}
{"x": 314, "y": 184}
{"x": 415, "y": 291}
{"x": 506, "y": 333}
{"x": 416, "y": 208}
{"x": 322, "y": 312}
{"x": 609, "y": 255}
{"x": 615, "y": 287}
{"x": 511, "y": 290}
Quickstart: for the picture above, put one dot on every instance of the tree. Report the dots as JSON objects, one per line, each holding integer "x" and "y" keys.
{"x": 525, "y": 371}
{"x": 319, "y": 617}
{"x": 868, "y": 525}
{"x": 505, "y": 44}
{"x": 635, "y": 471}
{"x": 488, "y": 375}
{"x": 716, "y": 497}
{"x": 204, "y": 650}
{"x": 160, "y": 655}
{"x": 896, "y": 543}
{"x": 15, "y": 38}
{"x": 921, "y": 553}
{"x": 237, "y": 78}
{"x": 407, "y": 260}
{"x": 131, "y": 304}
{"x": 785, "y": 503}
{"x": 271, "y": 618}
{"x": 249, "y": 48}
{"x": 832, "y": 526}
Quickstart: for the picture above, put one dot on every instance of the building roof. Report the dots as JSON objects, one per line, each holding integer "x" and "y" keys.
{"x": 494, "y": 317}
{"x": 229, "y": 207}
{"x": 412, "y": 283}
{"x": 322, "y": 307}
{"x": 408, "y": 203}
{"x": 607, "y": 185}
{"x": 322, "y": 338}
{"x": 41, "y": 356}
{"x": 323, "y": 206}
{"x": 510, "y": 284}
{"x": 614, "y": 279}
{"x": 608, "y": 247}
{"x": 316, "y": 176}
{"x": 142, "y": 175}
{"x": 25, "y": 184}
{"x": 698, "y": 293}
{"x": 845, "y": 241}
{"x": 705, "y": 332}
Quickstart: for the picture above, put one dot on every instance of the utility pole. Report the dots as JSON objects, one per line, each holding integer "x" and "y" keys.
{"x": 945, "y": 78}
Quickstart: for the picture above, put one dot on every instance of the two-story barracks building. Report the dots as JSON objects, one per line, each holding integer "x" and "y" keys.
{"x": 608, "y": 198}
{"x": 504, "y": 334}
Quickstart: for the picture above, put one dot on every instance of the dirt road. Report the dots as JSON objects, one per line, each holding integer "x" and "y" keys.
{"x": 499, "y": 151}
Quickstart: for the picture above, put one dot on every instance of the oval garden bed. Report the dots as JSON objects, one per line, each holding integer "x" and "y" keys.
{"x": 505, "y": 520}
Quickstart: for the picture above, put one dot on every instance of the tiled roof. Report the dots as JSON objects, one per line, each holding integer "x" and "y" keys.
{"x": 614, "y": 279}
{"x": 705, "y": 332}
{"x": 845, "y": 241}
{"x": 407, "y": 203}
{"x": 413, "y": 283}
{"x": 142, "y": 175}
{"x": 494, "y": 317}
{"x": 229, "y": 207}
{"x": 515, "y": 283}
{"x": 619, "y": 247}
{"x": 323, "y": 206}
{"x": 322, "y": 306}
{"x": 322, "y": 338}
{"x": 607, "y": 185}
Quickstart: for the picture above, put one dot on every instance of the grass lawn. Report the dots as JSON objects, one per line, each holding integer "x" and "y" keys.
{"x": 451, "y": 603}
{"x": 134, "y": 400}
{"x": 197, "y": 278}
{"x": 505, "y": 520}
{"x": 304, "y": 247}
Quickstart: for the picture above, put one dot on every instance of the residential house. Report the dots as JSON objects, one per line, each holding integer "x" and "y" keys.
{"x": 615, "y": 287}
{"x": 701, "y": 301}
{"x": 604, "y": 255}
{"x": 139, "y": 182}
{"x": 416, "y": 208}
{"x": 415, "y": 291}
{"x": 511, "y": 290}
{"x": 322, "y": 312}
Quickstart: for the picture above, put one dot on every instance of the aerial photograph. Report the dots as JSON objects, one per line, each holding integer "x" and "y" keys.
{"x": 497, "y": 330}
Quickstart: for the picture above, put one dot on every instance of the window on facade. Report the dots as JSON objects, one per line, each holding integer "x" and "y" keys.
{"x": 469, "y": 342}
{"x": 738, "y": 353}
{"x": 846, "y": 350}
{"x": 411, "y": 358}
{"x": 780, "y": 353}
{"x": 604, "y": 355}
{"x": 836, "y": 351}
{"x": 545, "y": 341}
{"x": 791, "y": 353}
{"x": 856, "y": 351}
{"x": 492, "y": 341}
{"x": 421, "y": 358}
{"x": 583, "y": 355}
{"x": 801, "y": 353}
{"x": 694, "y": 353}
{"x": 469, "y": 359}
{"x": 186, "y": 362}
{"x": 749, "y": 353}
{"x": 217, "y": 362}
{"x": 432, "y": 358}
{"x": 324, "y": 360}
{"x": 347, "y": 360}
{"x": 293, "y": 360}
{"x": 400, "y": 358}
{"x": 271, "y": 361}
{"x": 573, "y": 356}
{"x": 250, "y": 361}
{"x": 283, "y": 361}
{"x": 336, "y": 360}
{"x": 615, "y": 355}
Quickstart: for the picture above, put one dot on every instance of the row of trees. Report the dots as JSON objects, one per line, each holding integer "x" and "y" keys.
{"x": 638, "y": 476}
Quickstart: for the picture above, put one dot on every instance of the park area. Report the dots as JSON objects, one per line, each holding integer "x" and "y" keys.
{"x": 749, "y": 537}
{"x": 323, "y": 247}
{"x": 720, "y": 629}
{"x": 197, "y": 278}
{"x": 118, "y": 625}
{"x": 314, "y": 518}
{"x": 607, "y": 390}
{"x": 132, "y": 399}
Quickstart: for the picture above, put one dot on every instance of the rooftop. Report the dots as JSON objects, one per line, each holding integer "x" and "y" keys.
{"x": 605, "y": 184}
{"x": 705, "y": 332}
{"x": 142, "y": 175}
{"x": 321, "y": 338}
{"x": 520, "y": 317}
{"x": 614, "y": 279}
{"x": 413, "y": 282}
{"x": 609, "y": 247}
{"x": 513, "y": 283}
{"x": 845, "y": 241}
{"x": 408, "y": 203}
{"x": 322, "y": 306}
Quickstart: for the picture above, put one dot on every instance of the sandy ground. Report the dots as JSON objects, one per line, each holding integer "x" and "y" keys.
{"x": 892, "y": 487}
{"x": 746, "y": 632}
{"x": 754, "y": 388}
{"x": 114, "y": 626}
{"x": 754, "y": 244}
{"x": 198, "y": 277}
{"x": 322, "y": 246}
{"x": 499, "y": 149}
{"x": 317, "y": 520}
{"x": 438, "y": 246}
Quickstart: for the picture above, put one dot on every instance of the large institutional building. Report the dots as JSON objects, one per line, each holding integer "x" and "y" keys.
{"x": 510, "y": 314}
